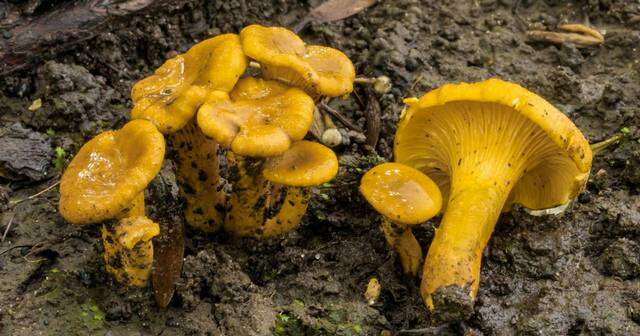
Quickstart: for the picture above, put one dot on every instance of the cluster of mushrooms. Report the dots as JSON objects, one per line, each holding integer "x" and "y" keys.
{"x": 213, "y": 115}
{"x": 468, "y": 151}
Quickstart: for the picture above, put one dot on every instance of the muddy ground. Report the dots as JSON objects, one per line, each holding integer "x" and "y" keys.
{"x": 576, "y": 274}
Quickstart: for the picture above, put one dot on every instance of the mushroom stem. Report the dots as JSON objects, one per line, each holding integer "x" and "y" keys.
{"x": 455, "y": 254}
{"x": 119, "y": 257}
{"x": 135, "y": 209}
{"x": 128, "y": 251}
{"x": 199, "y": 178}
{"x": 401, "y": 239}
{"x": 259, "y": 207}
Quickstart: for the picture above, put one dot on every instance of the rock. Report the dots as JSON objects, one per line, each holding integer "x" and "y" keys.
{"x": 631, "y": 172}
{"x": 452, "y": 303}
{"x": 25, "y": 154}
{"x": 73, "y": 99}
{"x": 634, "y": 312}
{"x": 239, "y": 308}
{"x": 622, "y": 259}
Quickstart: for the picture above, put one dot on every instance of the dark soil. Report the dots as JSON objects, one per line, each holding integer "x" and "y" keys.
{"x": 574, "y": 274}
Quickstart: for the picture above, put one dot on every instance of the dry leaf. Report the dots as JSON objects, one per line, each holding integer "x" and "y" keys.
{"x": 577, "y": 34}
{"x": 168, "y": 248}
{"x": 35, "y": 105}
{"x": 334, "y": 10}
{"x": 168, "y": 252}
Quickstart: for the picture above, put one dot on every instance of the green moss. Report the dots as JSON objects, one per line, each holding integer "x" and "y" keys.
{"x": 59, "y": 161}
{"x": 91, "y": 315}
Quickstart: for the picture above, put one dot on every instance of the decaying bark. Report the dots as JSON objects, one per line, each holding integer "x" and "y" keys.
{"x": 24, "y": 37}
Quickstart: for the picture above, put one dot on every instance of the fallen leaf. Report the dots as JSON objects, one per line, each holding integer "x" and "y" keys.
{"x": 168, "y": 251}
{"x": 168, "y": 247}
{"x": 35, "y": 105}
{"x": 334, "y": 10}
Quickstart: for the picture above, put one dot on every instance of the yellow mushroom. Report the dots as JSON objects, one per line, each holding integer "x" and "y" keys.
{"x": 171, "y": 96}
{"x": 487, "y": 145}
{"x": 271, "y": 197}
{"x": 128, "y": 250}
{"x": 107, "y": 177}
{"x": 405, "y": 197}
{"x": 282, "y": 55}
{"x": 106, "y": 181}
{"x": 259, "y": 118}
{"x": 199, "y": 179}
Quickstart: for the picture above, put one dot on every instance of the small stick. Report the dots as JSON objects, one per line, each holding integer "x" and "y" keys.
{"x": 364, "y": 80}
{"x": 13, "y": 248}
{"x": 372, "y": 114}
{"x": 340, "y": 117}
{"x": 14, "y": 203}
{"x": 13, "y": 215}
{"x": 424, "y": 331}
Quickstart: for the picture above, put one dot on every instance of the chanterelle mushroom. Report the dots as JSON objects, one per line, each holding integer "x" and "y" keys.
{"x": 405, "y": 197}
{"x": 488, "y": 145}
{"x": 171, "y": 96}
{"x": 107, "y": 177}
{"x": 106, "y": 181}
{"x": 259, "y": 118}
{"x": 321, "y": 71}
{"x": 271, "y": 196}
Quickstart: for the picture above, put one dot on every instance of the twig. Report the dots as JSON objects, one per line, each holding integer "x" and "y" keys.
{"x": 14, "y": 247}
{"x": 372, "y": 114}
{"x": 340, "y": 117}
{"x": 13, "y": 215}
{"x": 599, "y": 147}
{"x": 424, "y": 331}
{"x": 14, "y": 203}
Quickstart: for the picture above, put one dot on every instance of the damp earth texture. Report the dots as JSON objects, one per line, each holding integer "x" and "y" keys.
{"x": 573, "y": 274}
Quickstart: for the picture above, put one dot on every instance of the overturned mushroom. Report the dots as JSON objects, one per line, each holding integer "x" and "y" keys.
{"x": 488, "y": 145}
{"x": 105, "y": 181}
{"x": 321, "y": 71}
{"x": 271, "y": 196}
{"x": 259, "y": 118}
{"x": 405, "y": 197}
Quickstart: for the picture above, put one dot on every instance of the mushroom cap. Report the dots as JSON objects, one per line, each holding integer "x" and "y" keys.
{"x": 558, "y": 156}
{"x": 259, "y": 118}
{"x": 321, "y": 71}
{"x": 400, "y": 193}
{"x": 109, "y": 171}
{"x": 170, "y": 97}
{"x": 305, "y": 164}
